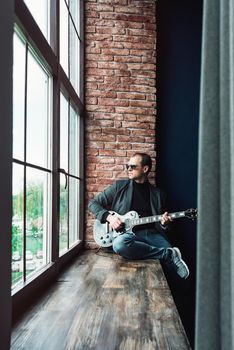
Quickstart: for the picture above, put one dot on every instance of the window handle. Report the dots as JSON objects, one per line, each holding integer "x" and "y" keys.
{"x": 64, "y": 172}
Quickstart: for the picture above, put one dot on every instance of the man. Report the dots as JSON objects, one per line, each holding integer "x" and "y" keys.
{"x": 146, "y": 241}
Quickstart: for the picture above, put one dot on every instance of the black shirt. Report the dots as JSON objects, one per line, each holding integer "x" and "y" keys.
{"x": 141, "y": 203}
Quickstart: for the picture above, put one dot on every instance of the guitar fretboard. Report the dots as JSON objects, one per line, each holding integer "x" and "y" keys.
{"x": 155, "y": 218}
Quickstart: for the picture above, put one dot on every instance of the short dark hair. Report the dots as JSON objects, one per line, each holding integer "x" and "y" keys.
{"x": 145, "y": 159}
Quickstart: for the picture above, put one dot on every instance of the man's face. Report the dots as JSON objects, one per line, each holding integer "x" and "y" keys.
{"x": 135, "y": 169}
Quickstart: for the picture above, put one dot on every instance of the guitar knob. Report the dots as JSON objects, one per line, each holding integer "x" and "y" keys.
{"x": 101, "y": 237}
{"x": 107, "y": 236}
{"x": 104, "y": 242}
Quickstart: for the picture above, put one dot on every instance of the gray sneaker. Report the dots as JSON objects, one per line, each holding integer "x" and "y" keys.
{"x": 178, "y": 264}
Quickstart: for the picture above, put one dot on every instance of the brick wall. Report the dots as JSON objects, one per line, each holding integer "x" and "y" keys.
{"x": 120, "y": 93}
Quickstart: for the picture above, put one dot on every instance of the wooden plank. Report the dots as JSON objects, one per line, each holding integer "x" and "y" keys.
{"x": 104, "y": 302}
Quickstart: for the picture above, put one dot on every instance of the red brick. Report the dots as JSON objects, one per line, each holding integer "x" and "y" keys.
{"x": 90, "y": 64}
{"x": 90, "y": 29}
{"x": 146, "y": 104}
{"x": 112, "y": 31}
{"x": 128, "y": 24}
{"x": 109, "y": 45}
{"x": 112, "y": 65}
{"x": 141, "y": 32}
{"x": 150, "y": 119}
{"x": 108, "y": 166}
{"x": 127, "y": 39}
{"x": 123, "y": 138}
{"x": 98, "y": 7}
{"x": 106, "y": 160}
{"x": 148, "y": 132}
{"x": 128, "y": 59}
{"x": 98, "y": 37}
{"x": 99, "y": 22}
{"x": 115, "y": 131}
{"x": 114, "y": 2}
{"x": 100, "y": 174}
{"x": 131, "y": 96}
{"x": 95, "y": 144}
{"x": 131, "y": 110}
{"x": 91, "y": 100}
{"x": 104, "y": 115}
{"x": 115, "y": 16}
{"x": 97, "y": 108}
{"x": 138, "y": 81}
{"x": 140, "y": 46}
{"x": 112, "y": 80}
{"x": 91, "y": 49}
{"x": 117, "y": 52}
{"x": 112, "y": 102}
{"x": 112, "y": 94}
{"x": 144, "y": 146}
{"x": 139, "y": 88}
{"x": 91, "y": 86}
{"x": 98, "y": 71}
{"x": 92, "y": 14}
{"x": 136, "y": 125}
{"x": 120, "y": 72}
{"x": 94, "y": 78}
{"x": 141, "y": 66}
{"x": 127, "y": 9}
{"x": 116, "y": 153}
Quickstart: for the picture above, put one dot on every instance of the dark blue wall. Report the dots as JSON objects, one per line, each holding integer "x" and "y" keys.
{"x": 179, "y": 29}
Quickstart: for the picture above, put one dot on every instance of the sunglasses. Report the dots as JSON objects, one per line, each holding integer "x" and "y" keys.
{"x": 131, "y": 166}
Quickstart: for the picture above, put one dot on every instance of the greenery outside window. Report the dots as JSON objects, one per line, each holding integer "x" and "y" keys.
{"x": 47, "y": 137}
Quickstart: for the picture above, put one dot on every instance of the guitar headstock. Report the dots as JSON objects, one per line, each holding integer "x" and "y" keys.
{"x": 191, "y": 213}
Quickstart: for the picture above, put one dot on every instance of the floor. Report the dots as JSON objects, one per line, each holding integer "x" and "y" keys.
{"x": 104, "y": 302}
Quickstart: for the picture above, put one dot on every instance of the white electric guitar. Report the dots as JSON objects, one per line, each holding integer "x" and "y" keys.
{"x": 104, "y": 234}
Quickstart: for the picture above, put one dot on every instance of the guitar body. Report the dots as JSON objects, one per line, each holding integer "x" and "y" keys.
{"x": 103, "y": 233}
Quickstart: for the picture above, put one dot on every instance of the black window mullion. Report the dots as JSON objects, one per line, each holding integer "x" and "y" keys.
{"x": 69, "y": 49}
{"x": 25, "y": 152}
{"x": 68, "y": 187}
{"x": 38, "y": 167}
{"x": 54, "y": 30}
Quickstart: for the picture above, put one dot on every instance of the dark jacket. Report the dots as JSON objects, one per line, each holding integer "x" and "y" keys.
{"x": 118, "y": 197}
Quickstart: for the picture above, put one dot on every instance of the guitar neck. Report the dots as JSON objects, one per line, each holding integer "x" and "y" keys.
{"x": 156, "y": 218}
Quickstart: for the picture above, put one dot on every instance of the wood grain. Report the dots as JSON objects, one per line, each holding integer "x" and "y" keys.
{"x": 104, "y": 302}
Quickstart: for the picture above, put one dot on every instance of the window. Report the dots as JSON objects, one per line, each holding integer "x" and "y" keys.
{"x": 40, "y": 12}
{"x": 47, "y": 139}
{"x": 69, "y": 178}
{"x": 70, "y": 40}
{"x": 32, "y": 175}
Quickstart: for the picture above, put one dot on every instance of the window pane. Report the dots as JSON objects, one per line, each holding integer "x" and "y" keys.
{"x": 40, "y": 12}
{"x": 63, "y": 133}
{"x": 63, "y": 215}
{"x": 73, "y": 210}
{"x": 17, "y": 223}
{"x": 38, "y": 219}
{"x": 37, "y": 114}
{"x": 74, "y": 6}
{"x": 74, "y": 57}
{"x": 74, "y": 137}
{"x": 18, "y": 97}
{"x": 64, "y": 36}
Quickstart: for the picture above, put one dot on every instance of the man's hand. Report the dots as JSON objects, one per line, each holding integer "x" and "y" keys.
{"x": 165, "y": 219}
{"x": 114, "y": 221}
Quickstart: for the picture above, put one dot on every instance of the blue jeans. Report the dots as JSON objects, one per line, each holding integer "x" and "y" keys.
{"x": 144, "y": 244}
